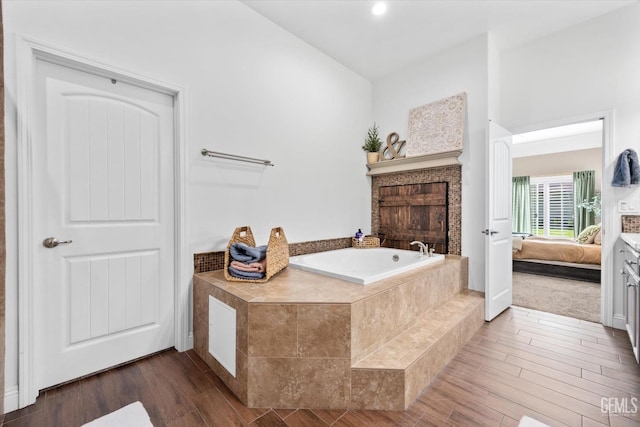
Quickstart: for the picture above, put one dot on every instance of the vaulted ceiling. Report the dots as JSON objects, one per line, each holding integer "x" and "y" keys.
{"x": 411, "y": 30}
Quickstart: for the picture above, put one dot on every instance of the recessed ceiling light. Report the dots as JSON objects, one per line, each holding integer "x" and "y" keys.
{"x": 379, "y": 8}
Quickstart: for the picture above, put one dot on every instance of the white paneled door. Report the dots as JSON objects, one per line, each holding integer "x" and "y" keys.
{"x": 103, "y": 189}
{"x": 498, "y": 240}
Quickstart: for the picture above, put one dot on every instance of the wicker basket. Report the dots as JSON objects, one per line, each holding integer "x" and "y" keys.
{"x": 367, "y": 242}
{"x": 277, "y": 252}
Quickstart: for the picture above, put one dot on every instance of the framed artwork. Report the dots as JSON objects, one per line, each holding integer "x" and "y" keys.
{"x": 437, "y": 127}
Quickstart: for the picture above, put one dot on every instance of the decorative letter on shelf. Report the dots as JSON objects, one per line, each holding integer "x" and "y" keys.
{"x": 437, "y": 127}
{"x": 393, "y": 148}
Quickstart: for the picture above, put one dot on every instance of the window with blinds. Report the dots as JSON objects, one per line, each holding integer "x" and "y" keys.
{"x": 552, "y": 207}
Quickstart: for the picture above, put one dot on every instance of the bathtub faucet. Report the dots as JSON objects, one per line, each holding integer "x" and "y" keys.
{"x": 424, "y": 249}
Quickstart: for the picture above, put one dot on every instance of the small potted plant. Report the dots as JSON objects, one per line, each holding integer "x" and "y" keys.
{"x": 372, "y": 144}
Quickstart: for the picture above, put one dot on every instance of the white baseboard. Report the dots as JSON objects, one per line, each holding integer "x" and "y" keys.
{"x": 11, "y": 399}
{"x": 190, "y": 341}
{"x": 618, "y": 322}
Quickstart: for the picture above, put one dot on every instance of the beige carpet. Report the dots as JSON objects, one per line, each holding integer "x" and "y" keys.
{"x": 566, "y": 297}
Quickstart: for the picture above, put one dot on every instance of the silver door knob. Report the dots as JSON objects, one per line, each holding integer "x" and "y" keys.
{"x": 52, "y": 242}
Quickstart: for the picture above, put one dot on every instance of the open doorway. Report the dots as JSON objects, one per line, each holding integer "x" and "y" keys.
{"x": 557, "y": 227}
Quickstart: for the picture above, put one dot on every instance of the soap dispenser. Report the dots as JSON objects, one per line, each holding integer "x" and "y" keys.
{"x": 359, "y": 235}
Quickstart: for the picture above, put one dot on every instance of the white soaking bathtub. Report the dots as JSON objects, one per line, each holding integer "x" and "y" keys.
{"x": 363, "y": 266}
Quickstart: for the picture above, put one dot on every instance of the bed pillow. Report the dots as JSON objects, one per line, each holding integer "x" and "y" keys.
{"x": 587, "y": 235}
{"x": 597, "y": 239}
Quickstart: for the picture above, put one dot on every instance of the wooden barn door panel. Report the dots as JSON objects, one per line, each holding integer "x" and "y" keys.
{"x": 414, "y": 212}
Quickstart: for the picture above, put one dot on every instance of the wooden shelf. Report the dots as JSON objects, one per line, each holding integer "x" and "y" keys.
{"x": 414, "y": 163}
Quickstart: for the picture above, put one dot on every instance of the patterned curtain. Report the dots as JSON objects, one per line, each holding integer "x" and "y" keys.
{"x": 521, "y": 203}
{"x": 584, "y": 188}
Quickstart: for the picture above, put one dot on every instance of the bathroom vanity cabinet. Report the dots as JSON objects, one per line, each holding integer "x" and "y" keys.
{"x": 630, "y": 279}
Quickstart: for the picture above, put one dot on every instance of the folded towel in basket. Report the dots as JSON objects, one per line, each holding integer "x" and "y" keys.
{"x": 245, "y": 274}
{"x": 259, "y": 267}
{"x": 245, "y": 253}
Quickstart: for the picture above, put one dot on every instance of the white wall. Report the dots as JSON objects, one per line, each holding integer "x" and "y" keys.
{"x": 558, "y": 145}
{"x": 585, "y": 69}
{"x": 463, "y": 68}
{"x": 251, "y": 89}
{"x": 564, "y": 163}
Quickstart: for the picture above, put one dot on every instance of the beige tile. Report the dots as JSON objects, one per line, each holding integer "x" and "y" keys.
{"x": 237, "y": 384}
{"x": 299, "y": 383}
{"x": 301, "y": 287}
{"x": 418, "y": 376}
{"x": 324, "y": 330}
{"x": 382, "y": 317}
{"x": 298, "y": 354}
{"x": 272, "y": 330}
{"x": 473, "y": 321}
{"x": 377, "y": 389}
{"x": 200, "y": 297}
{"x": 200, "y": 336}
{"x": 405, "y": 349}
{"x": 368, "y": 318}
{"x": 464, "y": 273}
{"x": 443, "y": 351}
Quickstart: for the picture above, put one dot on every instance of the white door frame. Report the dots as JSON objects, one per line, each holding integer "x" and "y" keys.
{"x": 28, "y": 52}
{"x": 608, "y": 211}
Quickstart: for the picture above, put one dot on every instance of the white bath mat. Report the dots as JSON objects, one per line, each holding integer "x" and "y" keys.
{"x": 132, "y": 415}
{"x": 530, "y": 422}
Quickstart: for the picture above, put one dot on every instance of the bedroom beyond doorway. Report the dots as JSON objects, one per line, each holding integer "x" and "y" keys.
{"x": 557, "y": 176}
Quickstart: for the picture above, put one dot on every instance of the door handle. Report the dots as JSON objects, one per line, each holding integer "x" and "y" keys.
{"x": 52, "y": 242}
{"x": 489, "y": 232}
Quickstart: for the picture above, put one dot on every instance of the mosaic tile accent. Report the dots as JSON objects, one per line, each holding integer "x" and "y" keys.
{"x": 310, "y": 247}
{"x": 210, "y": 261}
{"x": 631, "y": 223}
{"x": 451, "y": 174}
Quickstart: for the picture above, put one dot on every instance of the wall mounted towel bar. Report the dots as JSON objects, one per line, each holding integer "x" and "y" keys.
{"x": 209, "y": 153}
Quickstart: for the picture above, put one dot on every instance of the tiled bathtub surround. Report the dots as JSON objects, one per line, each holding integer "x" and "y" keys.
{"x": 451, "y": 174}
{"x": 305, "y": 340}
{"x": 209, "y": 261}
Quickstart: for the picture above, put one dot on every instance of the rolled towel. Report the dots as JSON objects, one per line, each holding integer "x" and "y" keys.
{"x": 245, "y": 274}
{"x": 259, "y": 266}
{"x": 245, "y": 253}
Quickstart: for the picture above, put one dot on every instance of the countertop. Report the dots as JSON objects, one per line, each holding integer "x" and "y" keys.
{"x": 632, "y": 239}
{"x": 297, "y": 286}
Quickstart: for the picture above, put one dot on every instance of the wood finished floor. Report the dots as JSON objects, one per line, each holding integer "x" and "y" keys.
{"x": 552, "y": 368}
